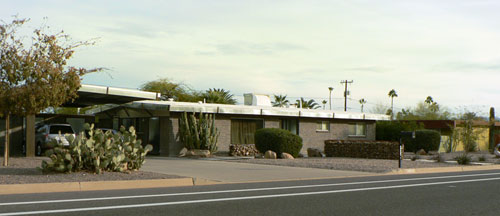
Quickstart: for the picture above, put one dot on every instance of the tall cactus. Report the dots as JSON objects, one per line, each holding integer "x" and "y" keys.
{"x": 198, "y": 133}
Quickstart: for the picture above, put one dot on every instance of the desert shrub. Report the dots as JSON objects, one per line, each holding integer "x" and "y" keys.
{"x": 428, "y": 140}
{"x": 278, "y": 140}
{"x": 463, "y": 159}
{"x": 391, "y": 130}
{"x": 97, "y": 152}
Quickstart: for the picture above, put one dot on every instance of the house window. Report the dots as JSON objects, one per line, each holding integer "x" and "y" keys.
{"x": 243, "y": 130}
{"x": 323, "y": 126}
{"x": 291, "y": 125}
{"x": 357, "y": 129}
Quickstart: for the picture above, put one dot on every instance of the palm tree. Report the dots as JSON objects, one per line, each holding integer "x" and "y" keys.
{"x": 392, "y": 94}
{"x": 330, "y": 98}
{"x": 429, "y": 100}
{"x": 324, "y": 103}
{"x": 219, "y": 96}
{"x": 280, "y": 101}
{"x": 310, "y": 104}
{"x": 362, "y": 101}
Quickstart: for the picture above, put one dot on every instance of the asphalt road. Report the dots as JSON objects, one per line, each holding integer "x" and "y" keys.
{"x": 464, "y": 193}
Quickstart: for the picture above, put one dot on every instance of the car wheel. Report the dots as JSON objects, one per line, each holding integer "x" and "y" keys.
{"x": 38, "y": 150}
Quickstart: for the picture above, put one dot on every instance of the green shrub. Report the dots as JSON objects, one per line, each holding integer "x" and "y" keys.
{"x": 278, "y": 140}
{"x": 391, "y": 130}
{"x": 463, "y": 159}
{"x": 98, "y": 152}
{"x": 428, "y": 140}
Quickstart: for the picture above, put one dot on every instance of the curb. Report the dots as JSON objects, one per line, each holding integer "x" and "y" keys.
{"x": 444, "y": 169}
{"x": 93, "y": 186}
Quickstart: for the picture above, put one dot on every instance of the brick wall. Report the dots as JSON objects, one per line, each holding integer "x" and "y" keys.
{"x": 362, "y": 149}
{"x": 339, "y": 130}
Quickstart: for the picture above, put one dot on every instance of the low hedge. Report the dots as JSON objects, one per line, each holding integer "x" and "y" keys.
{"x": 278, "y": 140}
{"x": 428, "y": 140}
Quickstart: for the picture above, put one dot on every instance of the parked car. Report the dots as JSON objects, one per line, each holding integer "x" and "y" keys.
{"x": 45, "y": 133}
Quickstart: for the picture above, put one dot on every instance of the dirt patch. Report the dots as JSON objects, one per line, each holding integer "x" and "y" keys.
{"x": 23, "y": 170}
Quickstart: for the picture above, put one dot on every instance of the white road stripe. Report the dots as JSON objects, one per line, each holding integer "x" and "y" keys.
{"x": 238, "y": 198}
{"x": 239, "y": 190}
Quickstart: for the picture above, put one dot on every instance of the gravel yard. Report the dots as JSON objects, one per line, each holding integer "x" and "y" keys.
{"x": 354, "y": 164}
{"x": 26, "y": 170}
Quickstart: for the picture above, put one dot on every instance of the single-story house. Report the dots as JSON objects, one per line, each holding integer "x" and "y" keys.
{"x": 156, "y": 122}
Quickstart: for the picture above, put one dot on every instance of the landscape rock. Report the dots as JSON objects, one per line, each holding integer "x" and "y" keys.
{"x": 243, "y": 150}
{"x": 421, "y": 152}
{"x": 189, "y": 153}
{"x": 183, "y": 152}
{"x": 270, "y": 155}
{"x": 201, "y": 153}
{"x": 312, "y": 152}
{"x": 285, "y": 155}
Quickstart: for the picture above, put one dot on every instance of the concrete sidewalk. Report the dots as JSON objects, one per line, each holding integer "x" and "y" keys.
{"x": 205, "y": 171}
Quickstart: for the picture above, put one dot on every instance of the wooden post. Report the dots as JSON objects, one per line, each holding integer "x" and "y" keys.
{"x": 7, "y": 135}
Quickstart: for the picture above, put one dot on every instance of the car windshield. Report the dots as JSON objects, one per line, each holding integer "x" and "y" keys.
{"x": 64, "y": 129}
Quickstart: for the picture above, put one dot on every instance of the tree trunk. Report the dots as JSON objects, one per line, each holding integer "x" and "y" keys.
{"x": 7, "y": 135}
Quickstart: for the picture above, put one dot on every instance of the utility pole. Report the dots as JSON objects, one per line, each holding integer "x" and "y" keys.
{"x": 345, "y": 92}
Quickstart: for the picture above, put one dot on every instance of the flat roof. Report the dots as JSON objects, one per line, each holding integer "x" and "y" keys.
{"x": 89, "y": 95}
{"x": 247, "y": 110}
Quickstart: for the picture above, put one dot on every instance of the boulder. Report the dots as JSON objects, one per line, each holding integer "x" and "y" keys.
{"x": 285, "y": 155}
{"x": 270, "y": 155}
{"x": 201, "y": 153}
{"x": 312, "y": 152}
{"x": 189, "y": 153}
{"x": 183, "y": 152}
{"x": 421, "y": 152}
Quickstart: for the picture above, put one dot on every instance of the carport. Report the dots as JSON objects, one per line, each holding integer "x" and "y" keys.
{"x": 89, "y": 95}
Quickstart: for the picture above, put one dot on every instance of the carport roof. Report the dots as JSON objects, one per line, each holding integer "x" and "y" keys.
{"x": 89, "y": 95}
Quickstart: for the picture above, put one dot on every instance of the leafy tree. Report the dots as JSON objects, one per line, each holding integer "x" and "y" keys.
{"x": 379, "y": 108}
{"x": 362, "y": 101}
{"x": 426, "y": 110}
{"x": 219, "y": 96}
{"x": 170, "y": 89}
{"x": 309, "y": 104}
{"x": 35, "y": 76}
{"x": 280, "y": 101}
{"x": 392, "y": 94}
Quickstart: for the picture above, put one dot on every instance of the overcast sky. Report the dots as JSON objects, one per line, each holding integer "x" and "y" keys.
{"x": 448, "y": 49}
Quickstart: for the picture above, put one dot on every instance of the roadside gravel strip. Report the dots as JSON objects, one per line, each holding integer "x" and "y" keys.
{"x": 26, "y": 171}
{"x": 352, "y": 164}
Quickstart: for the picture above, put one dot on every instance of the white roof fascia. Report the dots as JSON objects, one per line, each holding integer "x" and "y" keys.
{"x": 118, "y": 91}
{"x": 260, "y": 110}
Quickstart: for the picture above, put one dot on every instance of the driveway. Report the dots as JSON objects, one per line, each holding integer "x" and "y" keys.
{"x": 212, "y": 171}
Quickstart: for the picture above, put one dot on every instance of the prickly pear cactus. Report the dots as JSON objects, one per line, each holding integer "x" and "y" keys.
{"x": 98, "y": 152}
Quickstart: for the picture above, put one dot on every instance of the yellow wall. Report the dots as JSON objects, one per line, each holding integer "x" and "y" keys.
{"x": 482, "y": 142}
